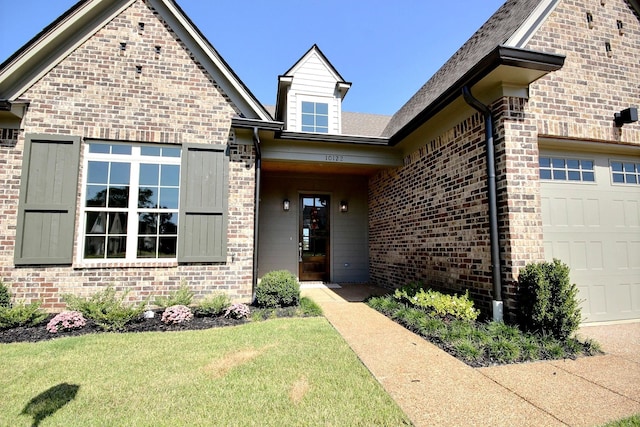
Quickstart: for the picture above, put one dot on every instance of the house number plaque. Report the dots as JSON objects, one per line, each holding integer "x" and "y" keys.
{"x": 334, "y": 158}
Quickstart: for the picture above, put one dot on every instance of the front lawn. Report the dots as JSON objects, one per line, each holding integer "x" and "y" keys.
{"x": 293, "y": 371}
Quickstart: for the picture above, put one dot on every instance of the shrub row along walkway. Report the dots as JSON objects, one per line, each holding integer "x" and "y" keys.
{"x": 435, "y": 389}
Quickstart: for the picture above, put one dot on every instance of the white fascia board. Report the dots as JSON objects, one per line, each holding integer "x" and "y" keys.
{"x": 21, "y": 63}
{"x": 216, "y": 60}
{"x": 529, "y": 27}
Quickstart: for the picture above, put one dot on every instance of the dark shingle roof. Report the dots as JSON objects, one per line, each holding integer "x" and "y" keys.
{"x": 363, "y": 124}
{"x": 493, "y": 33}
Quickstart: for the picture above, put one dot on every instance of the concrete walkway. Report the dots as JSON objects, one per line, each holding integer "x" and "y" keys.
{"x": 435, "y": 389}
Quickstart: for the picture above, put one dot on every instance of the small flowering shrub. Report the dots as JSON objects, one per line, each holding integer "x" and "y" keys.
{"x": 177, "y": 314}
{"x": 66, "y": 321}
{"x": 436, "y": 303}
{"x": 237, "y": 311}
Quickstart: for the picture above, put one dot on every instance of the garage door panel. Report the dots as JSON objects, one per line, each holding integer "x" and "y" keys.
{"x": 594, "y": 227}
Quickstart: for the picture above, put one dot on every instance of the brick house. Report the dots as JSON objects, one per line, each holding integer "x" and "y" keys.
{"x": 133, "y": 155}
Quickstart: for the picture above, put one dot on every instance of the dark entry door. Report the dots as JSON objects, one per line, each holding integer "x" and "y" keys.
{"x": 313, "y": 246}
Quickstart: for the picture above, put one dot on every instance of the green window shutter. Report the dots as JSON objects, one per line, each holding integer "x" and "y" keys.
{"x": 203, "y": 204}
{"x": 48, "y": 194}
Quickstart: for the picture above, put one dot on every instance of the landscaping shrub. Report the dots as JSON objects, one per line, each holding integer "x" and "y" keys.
{"x": 66, "y": 321}
{"x": 237, "y": 311}
{"x": 278, "y": 288}
{"x": 183, "y": 296}
{"x": 479, "y": 343}
{"x": 5, "y": 296}
{"x": 176, "y": 314}
{"x": 548, "y": 301}
{"x": 21, "y": 314}
{"x": 213, "y": 305}
{"x": 106, "y": 309}
{"x": 437, "y": 303}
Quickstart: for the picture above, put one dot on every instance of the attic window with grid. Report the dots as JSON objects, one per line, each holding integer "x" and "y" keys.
{"x": 315, "y": 117}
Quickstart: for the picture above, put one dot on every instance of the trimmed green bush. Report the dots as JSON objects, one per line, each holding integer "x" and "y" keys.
{"x": 183, "y": 296}
{"x": 548, "y": 301}
{"x": 106, "y": 309}
{"x": 21, "y": 314}
{"x": 5, "y": 296}
{"x": 213, "y": 305}
{"x": 278, "y": 288}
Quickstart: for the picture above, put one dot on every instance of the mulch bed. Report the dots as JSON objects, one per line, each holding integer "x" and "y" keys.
{"x": 40, "y": 333}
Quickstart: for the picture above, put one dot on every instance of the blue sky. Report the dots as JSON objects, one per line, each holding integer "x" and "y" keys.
{"x": 387, "y": 49}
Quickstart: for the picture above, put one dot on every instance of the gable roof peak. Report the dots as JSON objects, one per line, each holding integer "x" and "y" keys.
{"x": 85, "y": 18}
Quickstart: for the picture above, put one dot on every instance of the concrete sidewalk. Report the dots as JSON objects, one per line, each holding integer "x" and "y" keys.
{"x": 435, "y": 389}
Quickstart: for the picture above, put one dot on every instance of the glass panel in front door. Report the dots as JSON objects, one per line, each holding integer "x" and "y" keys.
{"x": 314, "y": 237}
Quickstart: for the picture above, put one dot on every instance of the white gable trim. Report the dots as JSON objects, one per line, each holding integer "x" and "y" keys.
{"x": 528, "y": 28}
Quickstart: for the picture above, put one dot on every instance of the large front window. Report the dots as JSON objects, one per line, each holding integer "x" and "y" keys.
{"x": 131, "y": 201}
{"x": 315, "y": 117}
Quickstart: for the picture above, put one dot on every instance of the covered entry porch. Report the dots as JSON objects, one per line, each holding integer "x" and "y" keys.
{"x": 313, "y": 206}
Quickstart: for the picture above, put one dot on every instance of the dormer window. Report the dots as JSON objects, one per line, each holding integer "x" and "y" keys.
{"x": 315, "y": 117}
{"x": 310, "y": 95}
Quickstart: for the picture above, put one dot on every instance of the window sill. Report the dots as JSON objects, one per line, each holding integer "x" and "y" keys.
{"x": 85, "y": 265}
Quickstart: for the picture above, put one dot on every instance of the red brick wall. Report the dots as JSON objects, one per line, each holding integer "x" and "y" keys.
{"x": 428, "y": 220}
{"x": 579, "y": 100}
{"x": 95, "y": 92}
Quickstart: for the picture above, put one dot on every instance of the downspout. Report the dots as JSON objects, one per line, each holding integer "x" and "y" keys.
{"x": 256, "y": 145}
{"x": 497, "y": 304}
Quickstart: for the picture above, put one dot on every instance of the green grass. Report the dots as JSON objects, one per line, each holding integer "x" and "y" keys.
{"x": 294, "y": 371}
{"x": 633, "y": 421}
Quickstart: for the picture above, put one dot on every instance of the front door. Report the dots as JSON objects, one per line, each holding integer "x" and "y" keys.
{"x": 313, "y": 246}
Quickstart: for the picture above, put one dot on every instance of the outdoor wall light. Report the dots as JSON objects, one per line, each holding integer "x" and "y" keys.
{"x": 344, "y": 206}
{"x": 286, "y": 205}
{"x": 628, "y": 115}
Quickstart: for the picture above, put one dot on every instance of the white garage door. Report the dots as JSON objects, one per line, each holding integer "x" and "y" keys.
{"x": 591, "y": 219}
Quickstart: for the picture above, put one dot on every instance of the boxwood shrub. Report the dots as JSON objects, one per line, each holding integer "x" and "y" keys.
{"x": 278, "y": 288}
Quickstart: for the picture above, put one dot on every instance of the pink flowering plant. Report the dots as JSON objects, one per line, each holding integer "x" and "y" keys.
{"x": 66, "y": 321}
{"x": 177, "y": 314}
{"x": 237, "y": 311}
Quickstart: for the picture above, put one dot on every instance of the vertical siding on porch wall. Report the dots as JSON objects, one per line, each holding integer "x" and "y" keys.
{"x": 278, "y": 240}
